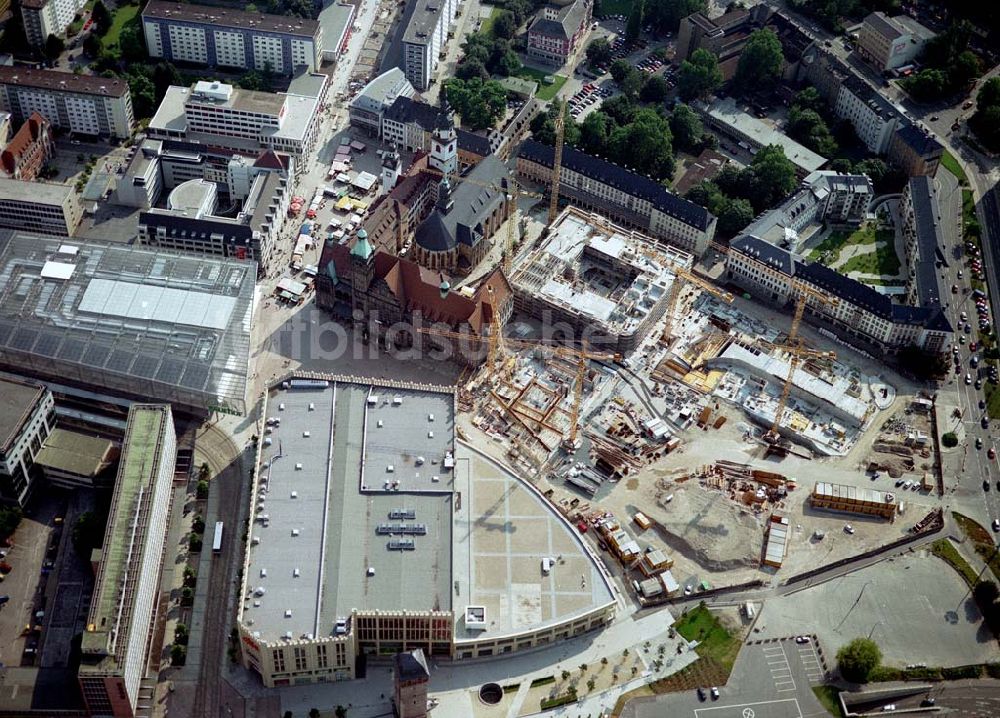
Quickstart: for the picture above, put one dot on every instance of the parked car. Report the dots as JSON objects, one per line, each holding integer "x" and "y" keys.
{"x": 701, "y": 694}
{"x": 848, "y": 528}
{"x": 715, "y": 693}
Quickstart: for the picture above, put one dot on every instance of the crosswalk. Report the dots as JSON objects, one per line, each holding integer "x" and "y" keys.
{"x": 777, "y": 664}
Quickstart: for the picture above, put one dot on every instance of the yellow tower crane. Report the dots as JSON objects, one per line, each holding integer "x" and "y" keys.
{"x": 557, "y": 165}
{"x": 797, "y": 352}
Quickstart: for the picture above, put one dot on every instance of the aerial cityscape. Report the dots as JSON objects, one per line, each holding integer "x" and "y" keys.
{"x": 499, "y": 358}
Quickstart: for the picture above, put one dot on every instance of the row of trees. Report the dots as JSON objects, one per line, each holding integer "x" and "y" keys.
{"x": 479, "y": 102}
{"x": 985, "y": 121}
{"x": 949, "y": 66}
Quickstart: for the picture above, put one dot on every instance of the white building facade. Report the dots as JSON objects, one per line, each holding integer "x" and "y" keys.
{"x": 29, "y": 409}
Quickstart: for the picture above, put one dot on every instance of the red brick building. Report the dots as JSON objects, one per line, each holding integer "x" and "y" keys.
{"x": 29, "y": 149}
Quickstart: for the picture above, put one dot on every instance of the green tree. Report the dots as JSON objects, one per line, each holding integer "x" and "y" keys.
{"x": 810, "y": 99}
{"x": 340, "y": 712}
{"x": 594, "y": 133}
{"x": 687, "y": 128}
{"x": 504, "y": 26}
{"x": 101, "y": 17}
{"x": 178, "y": 655}
{"x": 92, "y": 45}
{"x": 314, "y": 713}
{"x": 620, "y": 69}
{"x": 632, "y": 83}
{"x": 700, "y": 76}
{"x": 479, "y": 103}
{"x": 858, "y": 659}
{"x": 620, "y": 108}
{"x": 647, "y": 142}
{"x": 10, "y": 517}
{"x": 254, "y": 80}
{"x": 926, "y": 85}
{"x": 181, "y": 634}
{"x": 565, "y": 675}
{"x": 165, "y": 75}
{"x": 666, "y": 15}
{"x": 543, "y": 127}
{"x": 986, "y": 593}
{"x": 54, "y": 46}
{"x": 201, "y": 490}
{"x": 985, "y": 121}
{"x": 707, "y": 194}
{"x": 964, "y": 69}
{"x": 187, "y": 596}
{"x": 809, "y": 128}
{"x": 470, "y": 68}
{"x": 131, "y": 44}
{"x": 949, "y": 440}
{"x": 633, "y": 26}
{"x": 599, "y": 52}
{"x": 735, "y": 215}
{"x": 654, "y": 89}
{"x": 503, "y": 59}
{"x": 842, "y": 165}
{"x": 760, "y": 62}
{"x": 590, "y": 684}
{"x": 773, "y": 177}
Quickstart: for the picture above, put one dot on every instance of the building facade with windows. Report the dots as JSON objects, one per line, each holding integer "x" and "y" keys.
{"x": 28, "y": 151}
{"x": 915, "y": 151}
{"x": 558, "y": 30}
{"x": 626, "y": 197}
{"x": 873, "y": 117}
{"x": 425, "y": 39}
{"x": 120, "y": 624}
{"x": 889, "y": 43}
{"x": 48, "y": 17}
{"x": 226, "y": 37}
{"x": 45, "y": 207}
{"x": 370, "y": 105}
{"x": 244, "y": 122}
{"x": 27, "y": 419}
{"x": 83, "y": 104}
{"x": 860, "y": 315}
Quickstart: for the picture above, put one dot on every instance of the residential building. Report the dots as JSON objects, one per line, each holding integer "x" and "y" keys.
{"x": 627, "y": 197}
{"x": 238, "y": 121}
{"x": 705, "y": 167}
{"x": 860, "y": 315}
{"x": 370, "y": 105}
{"x": 921, "y": 219}
{"x": 27, "y": 417}
{"x": 28, "y": 151}
{"x": 915, "y": 151}
{"x": 891, "y": 42}
{"x": 558, "y": 31}
{"x": 46, "y": 207}
{"x": 409, "y": 684}
{"x": 191, "y": 222}
{"x": 5, "y": 128}
{"x": 425, "y": 39}
{"x": 836, "y": 199}
{"x": 226, "y": 37}
{"x": 82, "y": 104}
{"x": 168, "y": 327}
{"x": 727, "y": 35}
{"x": 123, "y": 608}
{"x": 726, "y": 118}
{"x": 409, "y": 124}
{"x": 48, "y": 17}
{"x": 72, "y": 460}
{"x": 874, "y": 118}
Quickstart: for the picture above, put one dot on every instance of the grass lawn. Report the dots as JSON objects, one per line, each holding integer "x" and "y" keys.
{"x": 545, "y": 92}
{"x": 949, "y": 162}
{"x": 487, "y": 25}
{"x": 121, "y": 17}
{"x": 993, "y": 400}
{"x": 839, "y": 239}
{"x": 827, "y": 695}
{"x": 715, "y": 642}
{"x": 982, "y": 540}
{"x": 944, "y": 549}
{"x": 883, "y": 261}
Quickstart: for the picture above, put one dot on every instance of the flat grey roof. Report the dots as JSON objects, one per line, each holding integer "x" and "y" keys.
{"x": 339, "y": 539}
{"x": 114, "y": 316}
{"x": 422, "y": 22}
{"x": 17, "y": 401}
{"x": 38, "y": 192}
{"x": 411, "y": 435}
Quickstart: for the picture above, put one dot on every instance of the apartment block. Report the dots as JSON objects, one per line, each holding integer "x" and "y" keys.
{"x": 48, "y": 17}
{"x": 558, "y": 30}
{"x": 861, "y": 315}
{"x": 891, "y": 42}
{"x": 29, "y": 149}
{"x": 118, "y": 635}
{"x": 226, "y": 37}
{"x": 915, "y": 151}
{"x": 874, "y": 118}
{"x": 244, "y": 122}
{"x": 425, "y": 39}
{"x": 83, "y": 104}
{"x": 627, "y": 197}
{"x": 27, "y": 418}
{"x": 45, "y": 207}
{"x": 920, "y": 215}
{"x": 370, "y": 105}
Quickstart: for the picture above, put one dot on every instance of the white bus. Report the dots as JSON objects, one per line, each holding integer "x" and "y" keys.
{"x": 217, "y": 541}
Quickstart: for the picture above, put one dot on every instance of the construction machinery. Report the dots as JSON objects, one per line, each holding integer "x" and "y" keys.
{"x": 797, "y": 353}
{"x": 674, "y": 293}
{"x": 494, "y": 369}
{"x": 560, "y": 123}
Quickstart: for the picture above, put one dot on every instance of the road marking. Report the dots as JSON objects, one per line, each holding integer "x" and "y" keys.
{"x": 749, "y": 707}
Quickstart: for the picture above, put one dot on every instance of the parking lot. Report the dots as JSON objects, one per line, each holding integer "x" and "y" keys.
{"x": 769, "y": 680}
